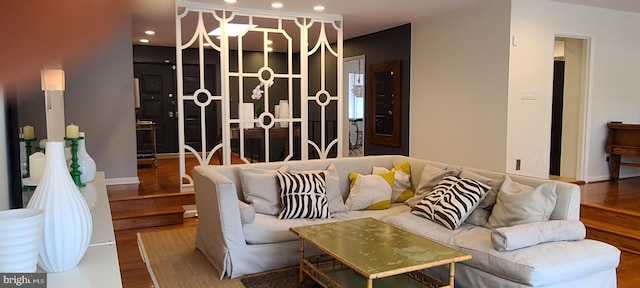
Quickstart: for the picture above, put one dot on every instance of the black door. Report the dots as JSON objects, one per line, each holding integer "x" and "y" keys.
{"x": 158, "y": 104}
{"x": 556, "y": 118}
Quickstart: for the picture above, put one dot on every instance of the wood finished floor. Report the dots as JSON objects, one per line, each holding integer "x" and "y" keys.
{"x": 624, "y": 194}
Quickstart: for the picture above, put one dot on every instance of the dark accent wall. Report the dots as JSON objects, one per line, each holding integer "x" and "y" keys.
{"x": 390, "y": 44}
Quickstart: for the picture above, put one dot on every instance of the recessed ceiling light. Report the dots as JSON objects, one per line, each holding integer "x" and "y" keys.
{"x": 269, "y": 42}
{"x": 230, "y": 1}
{"x": 233, "y": 29}
{"x": 206, "y": 44}
{"x": 269, "y": 49}
{"x": 144, "y": 40}
{"x": 276, "y": 5}
{"x": 318, "y": 8}
{"x": 150, "y": 32}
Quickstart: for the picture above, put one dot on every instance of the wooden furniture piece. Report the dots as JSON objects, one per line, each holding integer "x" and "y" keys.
{"x": 99, "y": 268}
{"x": 363, "y": 250}
{"x": 150, "y": 155}
{"x": 623, "y": 139}
{"x": 258, "y": 134}
{"x": 383, "y": 103}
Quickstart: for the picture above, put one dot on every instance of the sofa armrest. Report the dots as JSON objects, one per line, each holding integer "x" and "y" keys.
{"x": 218, "y": 211}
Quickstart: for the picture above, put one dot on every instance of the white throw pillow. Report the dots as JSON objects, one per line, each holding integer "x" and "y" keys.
{"x": 519, "y": 204}
{"x": 370, "y": 192}
{"x": 261, "y": 189}
{"x": 303, "y": 195}
{"x": 529, "y": 234}
{"x": 401, "y": 190}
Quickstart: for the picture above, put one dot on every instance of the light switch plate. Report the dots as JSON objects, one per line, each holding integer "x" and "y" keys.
{"x": 529, "y": 95}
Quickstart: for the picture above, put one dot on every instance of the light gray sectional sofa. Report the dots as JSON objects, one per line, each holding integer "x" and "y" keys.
{"x": 239, "y": 241}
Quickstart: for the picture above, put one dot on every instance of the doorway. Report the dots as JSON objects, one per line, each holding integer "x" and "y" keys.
{"x": 157, "y": 104}
{"x": 568, "y": 108}
{"x": 354, "y": 78}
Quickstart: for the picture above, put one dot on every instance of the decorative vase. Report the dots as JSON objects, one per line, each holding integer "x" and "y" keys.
{"x": 20, "y": 240}
{"x": 284, "y": 112}
{"x": 87, "y": 165}
{"x": 67, "y": 219}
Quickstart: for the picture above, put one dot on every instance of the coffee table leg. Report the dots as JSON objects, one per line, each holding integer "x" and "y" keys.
{"x": 369, "y": 283}
{"x": 301, "y": 258}
{"x": 452, "y": 271}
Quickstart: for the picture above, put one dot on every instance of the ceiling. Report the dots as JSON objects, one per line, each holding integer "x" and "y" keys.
{"x": 360, "y": 16}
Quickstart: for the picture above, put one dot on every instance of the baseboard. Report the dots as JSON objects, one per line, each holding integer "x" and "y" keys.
{"x": 122, "y": 181}
{"x": 190, "y": 211}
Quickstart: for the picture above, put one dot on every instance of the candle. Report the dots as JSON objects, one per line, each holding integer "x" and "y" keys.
{"x": 72, "y": 131}
{"x": 36, "y": 166}
{"x": 27, "y": 132}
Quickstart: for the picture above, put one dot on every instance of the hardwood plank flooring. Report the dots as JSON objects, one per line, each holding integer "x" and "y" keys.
{"x": 624, "y": 194}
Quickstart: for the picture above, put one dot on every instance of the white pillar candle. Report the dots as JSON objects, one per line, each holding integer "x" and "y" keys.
{"x": 36, "y": 166}
{"x": 284, "y": 112}
{"x": 27, "y": 132}
{"x": 72, "y": 131}
{"x": 246, "y": 115}
{"x": 276, "y": 115}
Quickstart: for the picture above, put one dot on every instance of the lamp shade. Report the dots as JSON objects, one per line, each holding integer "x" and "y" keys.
{"x": 52, "y": 79}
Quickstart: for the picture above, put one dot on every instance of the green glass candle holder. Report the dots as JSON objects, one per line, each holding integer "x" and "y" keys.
{"x": 75, "y": 172}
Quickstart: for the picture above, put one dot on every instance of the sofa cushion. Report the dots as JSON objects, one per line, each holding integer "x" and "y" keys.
{"x": 518, "y": 204}
{"x": 303, "y": 195}
{"x": 529, "y": 234}
{"x": 260, "y": 189}
{"x": 268, "y": 229}
{"x": 401, "y": 190}
{"x": 430, "y": 177}
{"x": 536, "y": 266}
{"x": 451, "y": 201}
{"x": 372, "y": 192}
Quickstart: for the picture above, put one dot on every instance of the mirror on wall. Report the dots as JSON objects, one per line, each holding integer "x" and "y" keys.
{"x": 383, "y": 103}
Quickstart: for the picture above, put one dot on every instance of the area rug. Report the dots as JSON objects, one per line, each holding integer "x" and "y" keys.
{"x": 285, "y": 278}
{"x": 173, "y": 261}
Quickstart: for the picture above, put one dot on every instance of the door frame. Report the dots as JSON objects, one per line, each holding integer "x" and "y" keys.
{"x": 584, "y": 121}
{"x": 345, "y": 103}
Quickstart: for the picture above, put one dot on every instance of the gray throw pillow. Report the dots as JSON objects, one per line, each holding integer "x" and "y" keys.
{"x": 261, "y": 189}
{"x": 525, "y": 235}
{"x": 519, "y": 204}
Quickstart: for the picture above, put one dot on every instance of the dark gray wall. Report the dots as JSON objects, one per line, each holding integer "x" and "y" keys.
{"x": 99, "y": 99}
{"x": 391, "y": 44}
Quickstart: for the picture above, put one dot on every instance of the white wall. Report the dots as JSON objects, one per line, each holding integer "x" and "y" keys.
{"x": 459, "y": 81}
{"x": 4, "y": 173}
{"x": 612, "y": 80}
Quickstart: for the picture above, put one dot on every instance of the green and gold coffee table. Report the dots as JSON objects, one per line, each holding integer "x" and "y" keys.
{"x": 363, "y": 250}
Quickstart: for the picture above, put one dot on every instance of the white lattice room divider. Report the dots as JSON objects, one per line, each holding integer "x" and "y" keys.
{"x": 304, "y": 69}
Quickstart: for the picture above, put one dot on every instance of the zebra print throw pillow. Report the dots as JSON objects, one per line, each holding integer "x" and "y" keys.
{"x": 451, "y": 201}
{"x": 303, "y": 195}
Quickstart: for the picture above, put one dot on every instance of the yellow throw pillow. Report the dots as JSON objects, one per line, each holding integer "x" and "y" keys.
{"x": 401, "y": 190}
{"x": 370, "y": 192}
